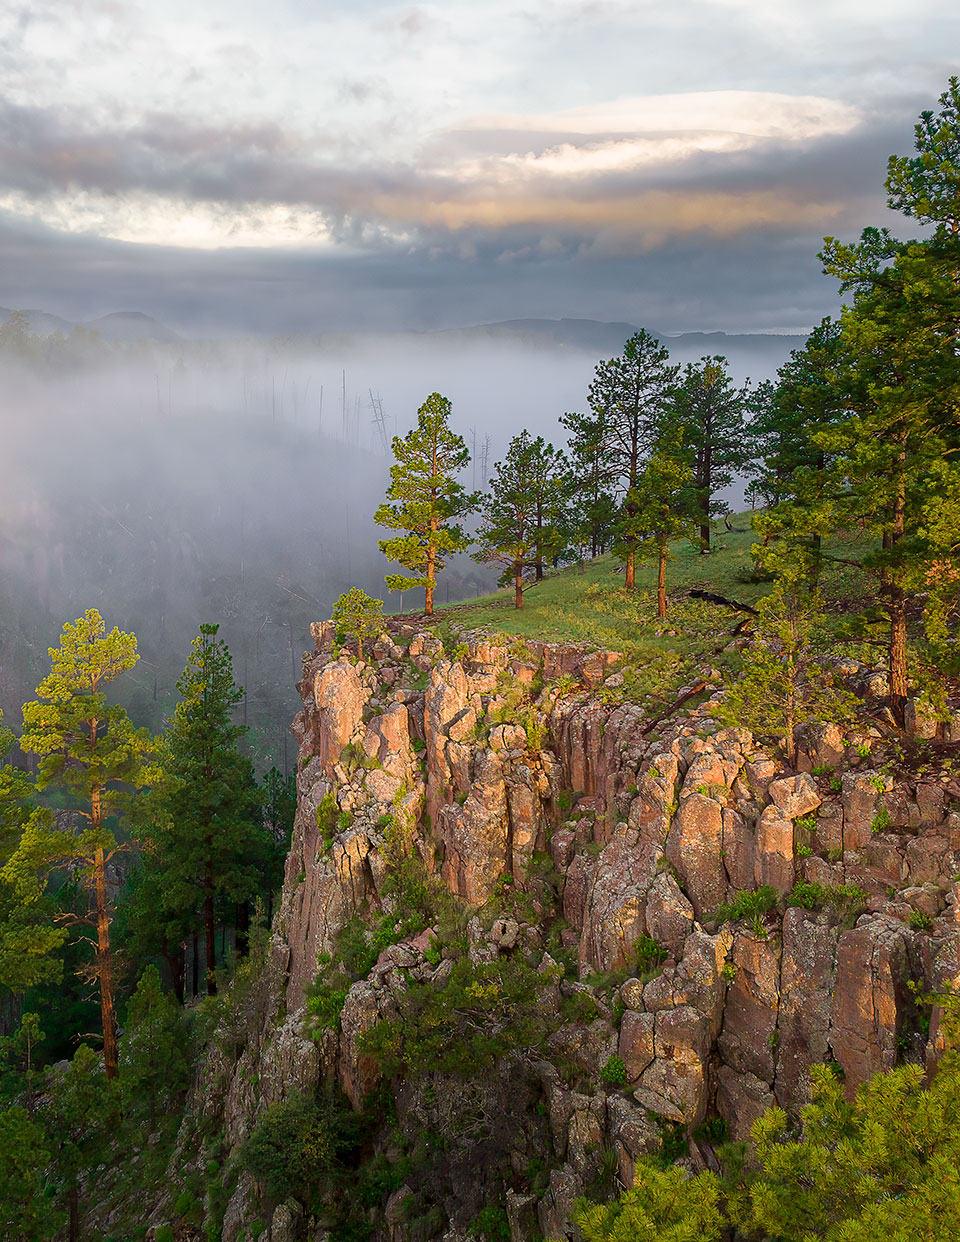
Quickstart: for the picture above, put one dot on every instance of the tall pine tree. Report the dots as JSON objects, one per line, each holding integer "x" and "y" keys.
{"x": 708, "y": 413}
{"x": 92, "y": 750}
{"x": 211, "y": 842}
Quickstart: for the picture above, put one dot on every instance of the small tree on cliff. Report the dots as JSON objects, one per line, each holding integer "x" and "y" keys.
{"x": 428, "y": 500}
{"x": 91, "y": 749}
{"x": 359, "y": 614}
{"x": 788, "y": 679}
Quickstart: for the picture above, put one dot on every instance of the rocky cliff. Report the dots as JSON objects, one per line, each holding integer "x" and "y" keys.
{"x": 703, "y": 924}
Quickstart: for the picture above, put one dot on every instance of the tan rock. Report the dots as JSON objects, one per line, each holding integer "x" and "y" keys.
{"x": 636, "y": 1043}
{"x": 773, "y": 860}
{"x": 794, "y": 796}
{"x": 693, "y": 846}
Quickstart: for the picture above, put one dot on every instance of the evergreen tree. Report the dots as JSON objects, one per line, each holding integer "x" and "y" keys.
{"x": 589, "y": 480}
{"x": 92, "y": 750}
{"x": 25, "y": 1214}
{"x": 359, "y": 614}
{"x": 659, "y": 508}
{"x": 628, "y": 399}
{"x": 153, "y": 1060}
{"x": 707, "y": 411}
{"x": 790, "y": 461}
{"x": 428, "y": 500}
{"x": 550, "y": 520}
{"x": 508, "y": 532}
{"x": 894, "y": 473}
{"x": 211, "y": 841}
{"x": 27, "y": 938}
{"x": 78, "y": 1108}
{"x": 789, "y": 679}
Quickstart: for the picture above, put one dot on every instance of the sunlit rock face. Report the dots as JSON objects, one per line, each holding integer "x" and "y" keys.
{"x": 632, "y": 846}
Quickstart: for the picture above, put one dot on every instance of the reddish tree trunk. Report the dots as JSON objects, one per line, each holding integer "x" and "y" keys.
{"x": 208, "y": 927}
{"x": 662, "y": 581}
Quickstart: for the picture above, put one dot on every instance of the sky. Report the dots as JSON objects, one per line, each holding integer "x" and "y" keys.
{"x": 301, "y": 165}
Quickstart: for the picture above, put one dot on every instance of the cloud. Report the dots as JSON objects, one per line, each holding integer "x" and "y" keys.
{"x": 640, "y": 171}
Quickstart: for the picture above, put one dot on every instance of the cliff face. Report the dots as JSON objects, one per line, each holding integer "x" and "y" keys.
{"x": 509, "y": 762}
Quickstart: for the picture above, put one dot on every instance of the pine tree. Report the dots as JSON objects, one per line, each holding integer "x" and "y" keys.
{"x": 211, "y": 841}
{"x": 628, "y": 398}
{"x": 508, "y": 532}
{"x": 588, "y": 481}
{"x": 27, "y": 938}
{"x": 359, "y": 614}
{"x": 790, "y": 464}
{"x": 707, "y": 411}
{"x": 428, "y": 500}
{"x": 92, "y": 750}
{"x": 895, "y": 450}
{"x": 659, "y": 508}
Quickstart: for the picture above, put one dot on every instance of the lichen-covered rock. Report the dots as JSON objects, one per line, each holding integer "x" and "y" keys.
{"x": 794, "y": 796}
{"x": 669, "y": 914}
{"x": 870, "y": 996}
{"x": 747, "y": 1040}
{"x": 693, "y": 846}
{"x": 860, "y": 798}
{"x": 803, "y": 1022}
{"x": 674, "y": 1085}
{"x": 742, "y": 1099}
{"x": 773, "y": 857}
{"x": 636, "y": 1043}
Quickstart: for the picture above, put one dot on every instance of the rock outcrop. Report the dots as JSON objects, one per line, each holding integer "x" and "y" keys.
{"x": 506, "y": 765}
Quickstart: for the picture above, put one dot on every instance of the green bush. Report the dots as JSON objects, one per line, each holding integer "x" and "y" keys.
{"x": 297, "y": 1144}
{"x": 747, "y": 904}
{"x": 649, "y": 954}
{"x": 614, "y": 1072}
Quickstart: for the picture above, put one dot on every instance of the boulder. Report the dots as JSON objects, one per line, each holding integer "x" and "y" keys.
{"x": 794, "y": 796}
{"x": 674, "y": 1085}
{"x": 693, "y": 846}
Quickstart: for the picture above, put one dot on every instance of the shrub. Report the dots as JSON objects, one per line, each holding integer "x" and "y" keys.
{"x": 747, "y": 904}
{"x": 920, "y": 920}
{"x": 614, "y": 1073}
{"x": 296, "y": 1146}
{"x": 650, "y": 955}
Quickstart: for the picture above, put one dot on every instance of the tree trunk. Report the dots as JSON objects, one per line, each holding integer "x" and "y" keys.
{"x": 208, "y": 926}
{"x": 630, "y": 578}
{"x": 431, "y": 568}
{"x": 662, "y": 581}
{"x": 104, "y": 967}
{"x": 73, "y": 1201}
{"x": 518, "y": 584}
{"x": 897, "y": 606}
{"x": 243, "y": 928}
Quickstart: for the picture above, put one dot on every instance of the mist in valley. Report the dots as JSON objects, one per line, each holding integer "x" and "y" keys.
{"x": 169, "y": 483}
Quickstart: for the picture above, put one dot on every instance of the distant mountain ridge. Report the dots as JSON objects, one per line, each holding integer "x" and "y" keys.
{"x": 125, "y": 326}
{"x": 592, "y": 336}
{"x": 597, "y": 336}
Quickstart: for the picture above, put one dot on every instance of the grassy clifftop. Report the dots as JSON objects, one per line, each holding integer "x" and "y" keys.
{"x": 587, "y": 603}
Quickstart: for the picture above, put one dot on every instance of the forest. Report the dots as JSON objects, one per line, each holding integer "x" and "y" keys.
{"x": 143, "y": 846}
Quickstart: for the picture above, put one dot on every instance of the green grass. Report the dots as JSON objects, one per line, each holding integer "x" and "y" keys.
{"x": 588, "y": 604}
{"x": 591, "y": 606}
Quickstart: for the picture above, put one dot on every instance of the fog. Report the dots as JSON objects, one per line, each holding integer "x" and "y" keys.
{"x": 177, "y": 483}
